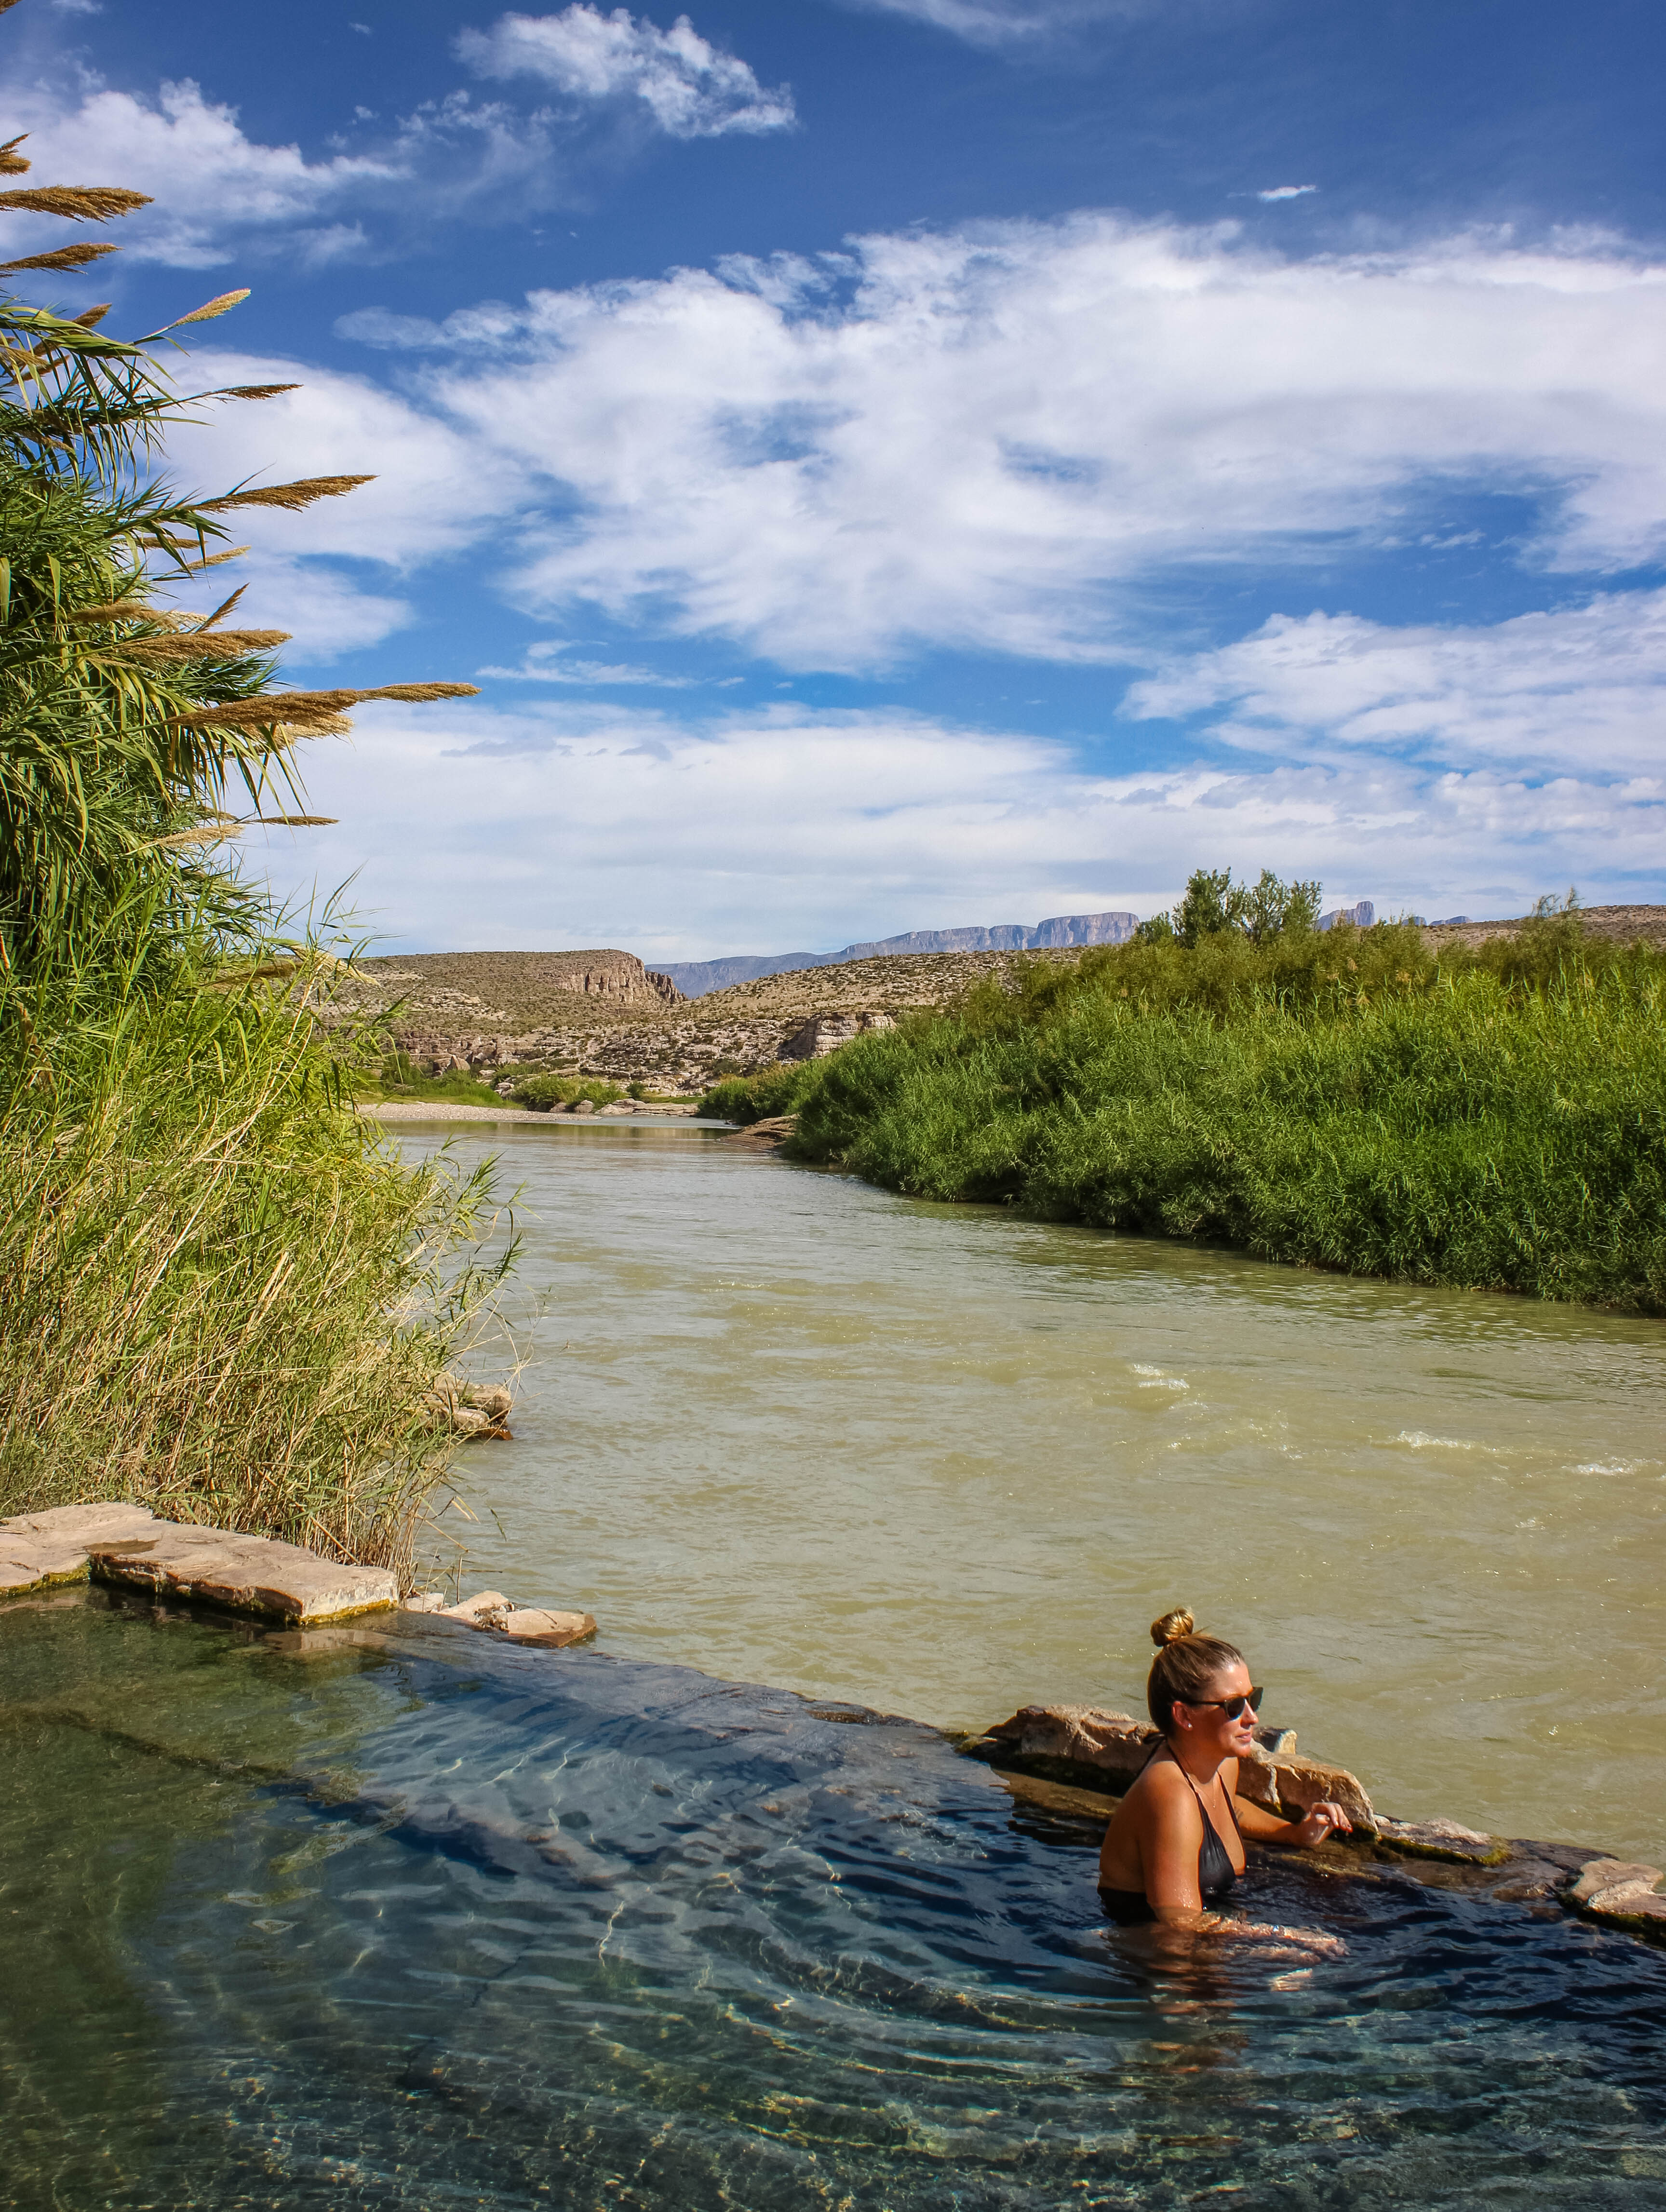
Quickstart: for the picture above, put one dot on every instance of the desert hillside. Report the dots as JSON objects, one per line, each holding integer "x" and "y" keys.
{"x": 601, "y": 1012}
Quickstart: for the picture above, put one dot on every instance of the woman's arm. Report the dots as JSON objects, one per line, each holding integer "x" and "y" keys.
{"x": 1324, "y": 1820}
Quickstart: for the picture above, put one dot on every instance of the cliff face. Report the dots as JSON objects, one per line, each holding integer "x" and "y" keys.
{"x": 438, "y": 992}
{"x": 694, "y": 978}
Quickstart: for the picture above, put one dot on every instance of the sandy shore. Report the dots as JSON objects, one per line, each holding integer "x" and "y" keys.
{"x": 414, "y": 1111}
{"x": 401, "y": 1111}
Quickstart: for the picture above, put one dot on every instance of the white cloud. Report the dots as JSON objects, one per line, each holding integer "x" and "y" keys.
{"x": 434, "y": 494}
{"x": 1006, "y": 22}
{"x": 436, "y": 489}
{"x": 208, "y": 178}
{"x": 543, "y": 664}
{"x": 1287, "y": 191}
{"x": 690, "y": 88}
{"x": 1014, "y": 436}
{"x": 1579, "y": 688}
{"x": 767, "y": 832}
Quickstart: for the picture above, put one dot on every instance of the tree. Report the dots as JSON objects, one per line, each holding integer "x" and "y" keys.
{"x": 1214, "y": 906}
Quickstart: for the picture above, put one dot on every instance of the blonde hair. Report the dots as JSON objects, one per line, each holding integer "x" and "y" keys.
{"x": 1185, "y": 1666}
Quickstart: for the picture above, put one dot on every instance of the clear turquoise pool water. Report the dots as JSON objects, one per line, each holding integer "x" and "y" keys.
{"x": 369, "y": 1920}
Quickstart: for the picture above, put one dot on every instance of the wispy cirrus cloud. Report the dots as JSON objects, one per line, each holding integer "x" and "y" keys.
{"x": 1007, "y": 22}
{"x": 1578, "y": 689}
{"x": 689, "y": 87}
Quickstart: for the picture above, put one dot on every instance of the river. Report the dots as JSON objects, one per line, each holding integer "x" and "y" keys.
{"x": 786, "y": 1428}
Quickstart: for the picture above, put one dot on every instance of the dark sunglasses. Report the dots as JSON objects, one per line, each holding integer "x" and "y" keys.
{"x": 1232, "y": 1707}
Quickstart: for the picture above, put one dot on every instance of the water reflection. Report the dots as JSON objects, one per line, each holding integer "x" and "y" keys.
{"x": 428, "y": 1921}
{"x": 945, "y": 1461}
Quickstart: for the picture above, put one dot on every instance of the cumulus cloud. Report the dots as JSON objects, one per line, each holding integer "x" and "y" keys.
{"x": 208, "y": 179}
{"x": 323, "y": 573}
{"x": 688, "y": 86}
{"x": 1581, "y": 688}
{"x": 1025, "y": 436}
{"x": 1287, "y": 191}
{"x": 764, "y": 831}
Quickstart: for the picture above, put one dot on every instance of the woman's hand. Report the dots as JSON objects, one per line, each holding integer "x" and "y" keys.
{"x": 1324, "y": 1821}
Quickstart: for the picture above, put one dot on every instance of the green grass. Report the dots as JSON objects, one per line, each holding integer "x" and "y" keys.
{"x": 396, "y": 1082}
{"x": 1496, "y": 1121}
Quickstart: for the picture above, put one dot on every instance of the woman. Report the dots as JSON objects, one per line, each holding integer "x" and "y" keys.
{"x": 1174, "y": 1847}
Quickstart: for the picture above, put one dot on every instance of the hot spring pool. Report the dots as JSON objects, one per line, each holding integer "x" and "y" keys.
{"x": 398, "y": 1916}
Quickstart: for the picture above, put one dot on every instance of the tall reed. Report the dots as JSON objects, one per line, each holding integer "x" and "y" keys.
{"x": 221, "y": 1297}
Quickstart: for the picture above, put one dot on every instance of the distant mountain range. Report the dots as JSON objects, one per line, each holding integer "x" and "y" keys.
{"x": 694, "y": 978}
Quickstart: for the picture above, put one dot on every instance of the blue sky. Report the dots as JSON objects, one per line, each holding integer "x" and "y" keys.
{"x": 921, "y": 462}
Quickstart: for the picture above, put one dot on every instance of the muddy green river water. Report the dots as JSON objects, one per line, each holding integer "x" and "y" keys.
{"x": 784, "y": 1427}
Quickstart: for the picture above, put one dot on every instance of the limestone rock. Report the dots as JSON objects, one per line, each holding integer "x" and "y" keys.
{"x": 1105, "y": 1750}
{"x": 1303, "y": 1783}
{"x": 423, "y": 1602}
{"x": 1631, "y": 1905}
{"x": 1111, "y": 1745}
{"x": 37, "y": 1549}
{"x": 1442, "y": 1839}
{"x": 530, "y": 1623}
{"x": 825, "y": 1033}
{"x": 248, "y": 1574}
{"x": 470, "y": 1409}
{"x": 492, "y": 1611}
{"x": 482, "y": 1610}
{"x": 774, "y": 1129}
{"x": 1599, "y": 1878}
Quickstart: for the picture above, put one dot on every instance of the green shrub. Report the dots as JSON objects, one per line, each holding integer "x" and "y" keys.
{"x": 748, "y": 1098}
{"x": 1495, "y": 1119}
{"x": 544, "y": 1093}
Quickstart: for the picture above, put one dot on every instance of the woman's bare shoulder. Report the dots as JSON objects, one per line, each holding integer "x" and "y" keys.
{"x": 1164, "y": 1788}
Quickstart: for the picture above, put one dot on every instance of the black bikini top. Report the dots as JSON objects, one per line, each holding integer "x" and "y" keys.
{"x": 1216, "y": 1874}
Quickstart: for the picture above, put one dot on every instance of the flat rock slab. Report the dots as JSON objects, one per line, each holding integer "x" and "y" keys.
{"x": 1442, "y": 1839}
{"x": 248, "y": 1574}
{"x": 531, "y": 1624}
{"x": 37, "y": 1549}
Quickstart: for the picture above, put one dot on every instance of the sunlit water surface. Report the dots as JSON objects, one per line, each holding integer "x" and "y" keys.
{"x": 398, "y": 1918}
{"x": 783, "y": 1426}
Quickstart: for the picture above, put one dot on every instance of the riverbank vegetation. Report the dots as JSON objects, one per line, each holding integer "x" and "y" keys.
{"x": 1492, "y": 1117}
{"x": 221, "y": 1297}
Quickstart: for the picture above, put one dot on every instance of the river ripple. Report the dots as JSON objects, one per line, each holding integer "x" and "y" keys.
{"x": 787, "y": 1428}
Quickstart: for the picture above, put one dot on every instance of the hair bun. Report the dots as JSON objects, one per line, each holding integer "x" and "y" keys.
{"x": 1171, "y": 1627}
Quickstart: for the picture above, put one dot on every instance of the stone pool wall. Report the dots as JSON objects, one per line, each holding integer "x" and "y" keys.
{"x": 1084, "y": 1747}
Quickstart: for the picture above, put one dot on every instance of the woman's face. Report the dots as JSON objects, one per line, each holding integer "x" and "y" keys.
{"x": 1207, "y": 1726}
